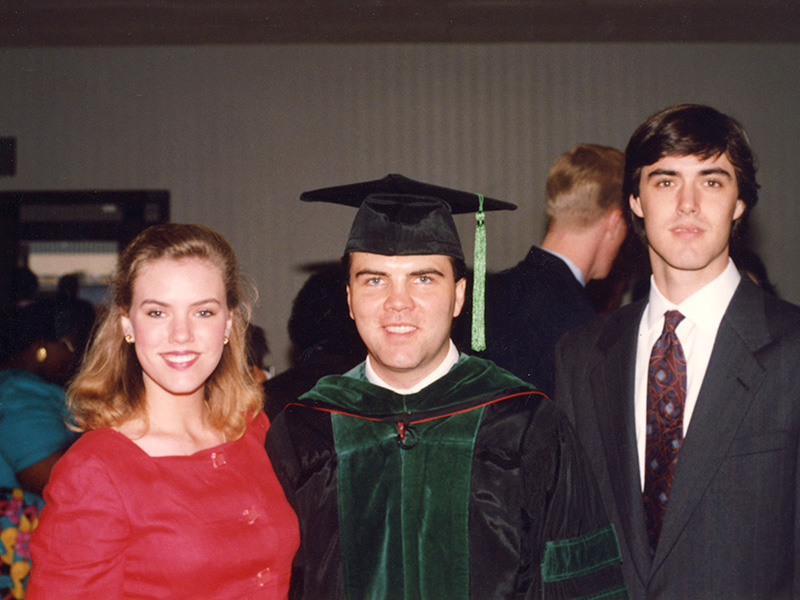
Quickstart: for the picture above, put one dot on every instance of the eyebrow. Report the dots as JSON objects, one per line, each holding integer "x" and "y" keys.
{"x": 704, "y": 172}
{"x": 430, "y": 271}
{"x": 198, "y": 303}
{"x": 427, "y": 271}
{"x": 369, "y": 272}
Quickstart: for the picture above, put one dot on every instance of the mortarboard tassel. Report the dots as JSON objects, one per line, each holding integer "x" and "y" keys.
{"x": 479, "y": 281}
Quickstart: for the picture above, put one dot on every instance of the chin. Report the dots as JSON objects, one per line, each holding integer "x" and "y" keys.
{"x": 693, "y": 264}
{"x": 401, "y": 366}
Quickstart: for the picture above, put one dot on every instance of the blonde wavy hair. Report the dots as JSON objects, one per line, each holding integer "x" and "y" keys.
{"x": 109, "y": 388}
{"x": 583, "y": 184}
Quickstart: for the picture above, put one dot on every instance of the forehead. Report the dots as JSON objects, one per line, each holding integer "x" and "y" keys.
{"x": 179, "y": 275}
{"x": 365, "y": 262}
{"x": 691, "y": 164}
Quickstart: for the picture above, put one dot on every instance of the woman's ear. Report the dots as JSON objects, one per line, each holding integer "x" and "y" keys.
{"x": 127, "y": 328}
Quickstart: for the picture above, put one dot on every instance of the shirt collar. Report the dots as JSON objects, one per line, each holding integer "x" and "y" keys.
{"x": 445, "y": 366}
{"x": 572, "y": 267}
{"x": 704, "y": 308}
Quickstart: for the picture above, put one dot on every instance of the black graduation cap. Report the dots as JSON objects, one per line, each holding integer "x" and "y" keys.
{"x": 400, "y": 216}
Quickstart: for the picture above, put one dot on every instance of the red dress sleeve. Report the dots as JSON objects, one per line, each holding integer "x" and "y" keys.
{"x": 78, "y": 547}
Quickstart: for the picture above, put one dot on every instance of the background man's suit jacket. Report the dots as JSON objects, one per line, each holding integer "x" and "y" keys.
{"x": 732, "y": 527}
{"x": 528, "y": 308}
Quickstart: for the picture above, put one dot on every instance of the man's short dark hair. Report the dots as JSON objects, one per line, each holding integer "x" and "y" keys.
{"x": 684, "y": 130}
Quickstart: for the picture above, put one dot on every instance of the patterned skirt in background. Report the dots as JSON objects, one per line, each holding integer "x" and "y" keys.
{"x": 18, "y": 518}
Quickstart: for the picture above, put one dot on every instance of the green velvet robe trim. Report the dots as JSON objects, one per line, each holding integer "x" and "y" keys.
{"x": 574, "y": 557}
{"x": 404, "y": 513}
{"x": 619, "y": 592}
{"x": 470, "y": 378}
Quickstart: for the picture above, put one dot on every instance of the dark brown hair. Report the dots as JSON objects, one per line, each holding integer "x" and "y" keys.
{"x": 684, "y": 130}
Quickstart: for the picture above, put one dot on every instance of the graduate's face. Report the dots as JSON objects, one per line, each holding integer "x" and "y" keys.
{"x": 178, "y": 319}
{"x": 403, "y": 307}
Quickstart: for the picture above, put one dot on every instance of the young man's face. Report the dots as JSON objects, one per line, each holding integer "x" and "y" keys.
{"x": 688, "y": 205}
{"x": 403, "y": 307}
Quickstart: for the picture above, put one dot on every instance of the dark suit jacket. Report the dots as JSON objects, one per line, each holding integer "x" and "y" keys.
{"x": 528, "y": 308}
{"x": 732, "y": 524}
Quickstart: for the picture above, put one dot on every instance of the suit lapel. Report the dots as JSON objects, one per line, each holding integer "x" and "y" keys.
{"x": 613, "y": 380}
{"x": 732, "y": 379}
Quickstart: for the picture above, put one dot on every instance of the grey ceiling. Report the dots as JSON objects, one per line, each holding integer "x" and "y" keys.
{"x": 136, "y": 22}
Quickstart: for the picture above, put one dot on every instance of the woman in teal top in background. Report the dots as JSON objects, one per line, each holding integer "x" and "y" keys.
{"x": 40, "y": 348}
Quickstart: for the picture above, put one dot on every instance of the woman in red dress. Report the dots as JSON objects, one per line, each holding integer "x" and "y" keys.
{"x": 169, "y": 492}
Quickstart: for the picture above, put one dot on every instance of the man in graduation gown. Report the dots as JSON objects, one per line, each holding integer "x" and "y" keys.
{"x": 422, "y": 472}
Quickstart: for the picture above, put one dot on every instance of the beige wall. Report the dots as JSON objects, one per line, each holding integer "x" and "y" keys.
{"x": 237, "y": 133}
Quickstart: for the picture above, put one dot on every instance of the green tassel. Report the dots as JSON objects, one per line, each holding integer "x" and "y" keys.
{"x": 479, "y": 281}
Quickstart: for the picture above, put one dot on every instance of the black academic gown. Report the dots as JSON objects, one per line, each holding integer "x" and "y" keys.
{"x": 523, "y": 496}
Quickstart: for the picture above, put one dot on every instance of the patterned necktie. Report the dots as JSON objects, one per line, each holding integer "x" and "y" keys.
{"x": 666, "y": 397}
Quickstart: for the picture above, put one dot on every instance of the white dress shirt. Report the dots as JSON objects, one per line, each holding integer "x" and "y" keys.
{"x": 703, "y": 313}
{"x": 440, "y": 371}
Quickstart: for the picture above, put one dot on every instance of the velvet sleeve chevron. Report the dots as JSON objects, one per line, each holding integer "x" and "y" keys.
{"x": 580, "y": 555}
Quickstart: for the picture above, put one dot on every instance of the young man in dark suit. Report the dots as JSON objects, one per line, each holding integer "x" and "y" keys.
{"x": 688, "y": 401}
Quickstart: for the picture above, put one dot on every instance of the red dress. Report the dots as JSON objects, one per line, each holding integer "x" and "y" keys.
{"x": 119, "y": 523}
